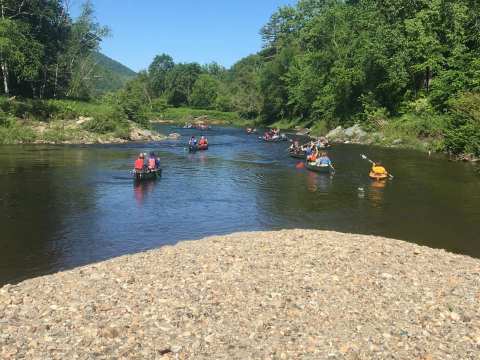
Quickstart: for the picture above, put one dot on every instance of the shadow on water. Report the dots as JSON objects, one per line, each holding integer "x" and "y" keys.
{"x": 64, "y": 206}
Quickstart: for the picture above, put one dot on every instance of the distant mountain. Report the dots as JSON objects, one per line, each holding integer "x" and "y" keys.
{"x": 111, "y": 75}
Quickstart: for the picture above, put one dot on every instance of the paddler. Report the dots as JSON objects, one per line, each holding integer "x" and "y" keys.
{"x": 193, "y": 141}
{"x": 295, "y": 147}
{"x": 324, "y": 160}
{"x": 378, "y": 169}
{"x": 203, "y": 141}
{"x": 153, "y": 162}
{"x": 313, "y": 155}
{"x": 140, "y": 162}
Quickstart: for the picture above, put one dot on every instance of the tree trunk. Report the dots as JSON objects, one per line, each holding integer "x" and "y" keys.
{"x": 428, "y": 76}
{"x": 5, "y": 78}
{"x": 4, "y": 65}
{"x": 56, "y": 82}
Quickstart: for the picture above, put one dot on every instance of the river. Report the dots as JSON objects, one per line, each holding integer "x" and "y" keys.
{"x": 65, "y": 206}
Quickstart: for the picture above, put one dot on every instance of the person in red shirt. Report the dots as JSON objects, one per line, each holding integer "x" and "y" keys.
{"x": 139, "y": 163}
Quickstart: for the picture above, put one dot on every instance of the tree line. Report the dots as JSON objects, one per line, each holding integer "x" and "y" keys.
{"x": 44, "y": 53}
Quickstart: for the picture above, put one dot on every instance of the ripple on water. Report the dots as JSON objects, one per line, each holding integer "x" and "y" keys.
{"x": 66, "y": 206}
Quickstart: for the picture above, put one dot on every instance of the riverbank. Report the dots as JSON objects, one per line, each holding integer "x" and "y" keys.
{"x": 68, "y": 122}
{"x": 422, "y": 130}
{"x": 75, "y": 132}
{"x": 280, "y": 295}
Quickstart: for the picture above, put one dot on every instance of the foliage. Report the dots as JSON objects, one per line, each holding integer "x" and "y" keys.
{"x": 135, "y": 99}
{"x": 114, "y": 122}
{"x": 180, "y": 81}
{"x": 463, "y": 133}
{"x": 44, "y": 53}
{"x": 11, "y": 131}
{"x": 398, "y": 67}
{"x": 158, "y": 70}
{"x": 204, "y": 92}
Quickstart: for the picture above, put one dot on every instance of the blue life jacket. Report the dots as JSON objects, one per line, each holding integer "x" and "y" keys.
{"x": 325, "y": 161}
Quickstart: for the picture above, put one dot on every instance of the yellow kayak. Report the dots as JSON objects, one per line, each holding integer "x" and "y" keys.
{"x": 377, "y": 176}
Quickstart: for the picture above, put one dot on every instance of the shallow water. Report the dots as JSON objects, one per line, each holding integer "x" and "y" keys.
{"x": 64, "y": 206}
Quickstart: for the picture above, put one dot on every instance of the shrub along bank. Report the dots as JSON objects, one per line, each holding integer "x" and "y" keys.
{"x": 66, "y": 121}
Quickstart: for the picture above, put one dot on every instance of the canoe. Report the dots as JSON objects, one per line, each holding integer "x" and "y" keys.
{"x": 147, "y": 174}
{"x": 192, "y": 148}
{"x": 322, "y": 147}
{"x": 277, "y": 139}
{"x": 202, "y": 147}
{"x": 297, "y": 155}
{"x": 374, "y": 176}
{"x": 324, "y": 169}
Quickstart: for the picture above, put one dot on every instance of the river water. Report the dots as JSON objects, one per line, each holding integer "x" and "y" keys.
{"x": 64, "y": 206}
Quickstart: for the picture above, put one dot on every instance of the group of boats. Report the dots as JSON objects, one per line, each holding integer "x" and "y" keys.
{"x": 200, "y": 126}
{"x": 309, "y": 153}
{"x": 273, "y": 135}
{"x": 313, "y": 155}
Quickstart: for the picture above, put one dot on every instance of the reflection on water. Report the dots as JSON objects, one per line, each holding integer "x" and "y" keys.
{"x": 141, "y": 189}
{"x": 376, "y": 192}
{"x": 65, "y": 206}
{"x": 319, "y": 182}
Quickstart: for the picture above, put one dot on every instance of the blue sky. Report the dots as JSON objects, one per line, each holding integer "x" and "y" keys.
{"x": 189, "y": 30}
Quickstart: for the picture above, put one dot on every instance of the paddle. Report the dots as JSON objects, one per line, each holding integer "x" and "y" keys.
{"x": 333, "y": 169}
{"x": 364, "y": 157}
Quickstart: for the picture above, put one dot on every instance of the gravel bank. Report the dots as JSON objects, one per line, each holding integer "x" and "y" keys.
{"x": 271, "y": 295}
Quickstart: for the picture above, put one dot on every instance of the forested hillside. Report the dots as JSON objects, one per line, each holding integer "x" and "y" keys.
{"x": 110, "y": 74}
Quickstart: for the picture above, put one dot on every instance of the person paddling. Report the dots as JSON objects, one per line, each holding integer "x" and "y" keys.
{"x": 294, "y": 147}
{"x": 324, "y": 160}
{"x": 378, "y": 169}
{"x": 203, "y": 141}
{"x": 313, "y": 155}
{"x": 140, "y": 162}
{"x": 193, "y": 141}
{"x": 152, "y": 161}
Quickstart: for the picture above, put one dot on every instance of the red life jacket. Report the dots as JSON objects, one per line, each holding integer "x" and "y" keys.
{"x": 151, "y": 163}
{"x": 139, "y": 164}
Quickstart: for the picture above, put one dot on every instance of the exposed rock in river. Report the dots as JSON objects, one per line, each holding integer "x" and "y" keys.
{"x": 353, "y": 134}
{"x": 270, "y": 295}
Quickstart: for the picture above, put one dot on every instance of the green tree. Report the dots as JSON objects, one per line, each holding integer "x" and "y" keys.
{"x": 204, "y": 92}
{"x": 158, "y": 71}
{"x": 19, "y": 53}
{"x": 78, "y": 61}
{"x": 180, "y": 81}
{"x": 135, "y": 98}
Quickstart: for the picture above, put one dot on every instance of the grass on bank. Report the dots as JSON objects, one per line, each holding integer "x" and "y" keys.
{"x": 20, "y": 118}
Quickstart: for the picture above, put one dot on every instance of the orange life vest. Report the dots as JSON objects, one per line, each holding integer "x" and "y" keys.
{"x": 139, "y": 164}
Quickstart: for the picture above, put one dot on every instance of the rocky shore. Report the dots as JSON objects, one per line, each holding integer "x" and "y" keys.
{"x": 297, "y": 294}
{"x": 72, "y": 132}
